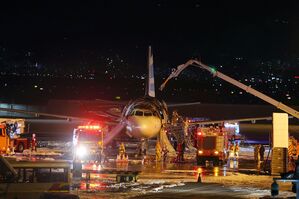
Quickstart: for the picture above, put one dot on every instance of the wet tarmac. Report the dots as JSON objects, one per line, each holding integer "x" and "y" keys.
{"x": 173, "y": 180}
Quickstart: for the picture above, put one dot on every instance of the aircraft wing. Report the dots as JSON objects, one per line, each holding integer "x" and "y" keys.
{"x": 67, "y": 117}
{"x": 234, "y": 120}
{"x": 182, "y": 104}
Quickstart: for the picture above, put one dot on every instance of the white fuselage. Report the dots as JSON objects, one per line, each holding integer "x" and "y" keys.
{"x": 141, "y": 126}
{"x": 145, "y": 117}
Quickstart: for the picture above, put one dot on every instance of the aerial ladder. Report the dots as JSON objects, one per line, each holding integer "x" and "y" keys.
{"x": 230, "y": 80}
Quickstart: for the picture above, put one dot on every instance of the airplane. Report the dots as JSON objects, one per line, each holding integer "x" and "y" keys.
{"x": 142, "y": 118}
{"x": 145, "y": 116}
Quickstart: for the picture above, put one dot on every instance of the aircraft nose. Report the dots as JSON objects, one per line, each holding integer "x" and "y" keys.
{"x": 141, "y": 127}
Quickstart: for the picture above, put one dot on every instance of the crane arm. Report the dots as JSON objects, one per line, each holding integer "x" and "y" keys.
{"x": 230, "y": 80}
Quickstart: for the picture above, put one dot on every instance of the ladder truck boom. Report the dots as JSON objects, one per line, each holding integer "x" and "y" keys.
{"x": 230, "y": 80}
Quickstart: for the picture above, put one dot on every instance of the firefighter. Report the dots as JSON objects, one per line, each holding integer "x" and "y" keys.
{"x": 122, "y": 151}
{"x": 292, "y": 164}
{"x": 33, "y": 142}
{"x": 230, "y": 161}
{"x": 183, "y": 150}
{"x": 179, "y": 155}
{"x": 175, "y": 118}
{"x": 231, "y": 150}
{"x": 257, "y": 157}
{"x": 262, "y": 151}
{"x": 164, "y": 152}
{"x": 236, "y": 151}
{"x": 158, "y": 151}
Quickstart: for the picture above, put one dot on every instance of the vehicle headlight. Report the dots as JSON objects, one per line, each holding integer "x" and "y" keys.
{"x": 199, "y": 152}
{"x": 216, "y": 152}
{"x": 81, "y": 151}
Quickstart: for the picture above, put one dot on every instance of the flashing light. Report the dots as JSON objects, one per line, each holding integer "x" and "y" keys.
{"x": 81, "y": 151}
{"x": 200, "y": 152}
{"x": 216, "y": 152}
{"x": 90, "y": 127}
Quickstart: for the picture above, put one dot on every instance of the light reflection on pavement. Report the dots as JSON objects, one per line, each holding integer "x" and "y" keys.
{"x": 154, "y": 178}
{"x": 172, "y": 180}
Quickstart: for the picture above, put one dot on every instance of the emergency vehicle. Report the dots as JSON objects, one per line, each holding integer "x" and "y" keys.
{"x": 88, "y": 143}
{"x": 214, "y": 144}
{"x": 12, "y": 135}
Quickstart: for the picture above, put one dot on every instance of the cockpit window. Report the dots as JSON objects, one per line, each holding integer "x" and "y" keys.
{"x": 147, "y": 114}
{"x": 139, "y": 113}
{"x": 132, "y": 113}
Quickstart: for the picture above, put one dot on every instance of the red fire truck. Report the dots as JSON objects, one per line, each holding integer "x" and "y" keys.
{"x": 88, "y": 143}
{"x": 213, "y": 144}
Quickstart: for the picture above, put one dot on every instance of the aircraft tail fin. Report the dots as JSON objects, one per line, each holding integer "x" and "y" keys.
{"x": 150, "y": 88}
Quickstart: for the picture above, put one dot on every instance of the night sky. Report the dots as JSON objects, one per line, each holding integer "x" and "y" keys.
{"x": 177, "y": 30}
{"x": 255, "y": 41}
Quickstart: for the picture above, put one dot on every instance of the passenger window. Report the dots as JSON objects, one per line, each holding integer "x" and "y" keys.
{"x": 139, "y": 113}
{"x": 147, "y": 114}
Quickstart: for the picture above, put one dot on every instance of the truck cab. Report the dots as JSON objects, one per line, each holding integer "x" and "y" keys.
{"x": 210, "y": 144}
{"x": 88, "y": 143}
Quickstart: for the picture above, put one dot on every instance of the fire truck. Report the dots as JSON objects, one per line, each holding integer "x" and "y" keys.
{"x": 214, "y": 144}
{"x": 12, "y": 135}
{"x": 88, "y": 143}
